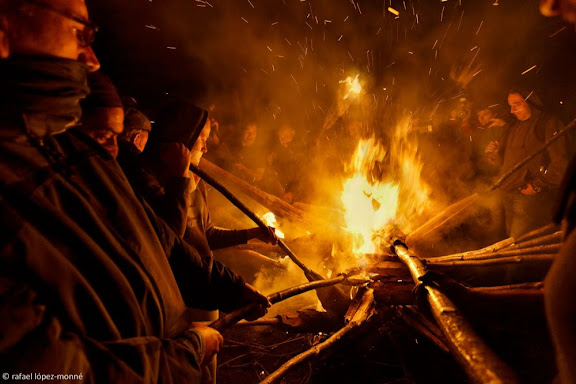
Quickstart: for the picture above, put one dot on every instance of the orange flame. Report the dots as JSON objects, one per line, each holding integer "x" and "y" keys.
{"x": 271, "y": 221}
{"x": 373, "y": 205}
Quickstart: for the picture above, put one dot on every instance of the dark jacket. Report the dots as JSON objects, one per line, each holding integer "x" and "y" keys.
{"x": 86, "y": 281}
{"x": 525, "y": 137}
{"x": 200, "y": 231}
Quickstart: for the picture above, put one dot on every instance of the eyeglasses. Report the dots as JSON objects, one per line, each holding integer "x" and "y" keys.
{"x": 85, "y": 36}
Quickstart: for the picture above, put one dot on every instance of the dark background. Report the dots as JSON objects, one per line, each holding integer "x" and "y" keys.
{"x": 282, "y": 59}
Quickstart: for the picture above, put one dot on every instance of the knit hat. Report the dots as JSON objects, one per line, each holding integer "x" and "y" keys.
{"x": 179, "y": 121}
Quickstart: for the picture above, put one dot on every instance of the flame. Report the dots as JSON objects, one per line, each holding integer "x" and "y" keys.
{"x": 354, "y": 86}
{"x": 397, "y": 197}
{"x": 271, "y": 221}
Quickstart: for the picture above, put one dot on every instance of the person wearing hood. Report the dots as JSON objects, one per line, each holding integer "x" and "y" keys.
{"x": 92, "y": 283}
{"x": 161, "y": 175}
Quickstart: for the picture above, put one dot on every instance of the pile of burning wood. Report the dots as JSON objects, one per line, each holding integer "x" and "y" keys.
{"x": 450, "y": 289}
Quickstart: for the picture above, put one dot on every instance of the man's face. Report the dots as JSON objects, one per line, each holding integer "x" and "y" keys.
{"x": 564, "y": 8}
{"x": 51, "y": 28}
{"x": 200, "y": 147}
{"x": 484, "y": 116}
{"x": 104, "y": 125}
{"x": 249, "y": 135}
{"x": 519, "y": 107}
{"x": 286, "y": 135}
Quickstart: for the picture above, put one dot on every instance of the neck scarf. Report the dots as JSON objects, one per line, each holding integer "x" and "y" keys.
{"x": 43, "y": 86}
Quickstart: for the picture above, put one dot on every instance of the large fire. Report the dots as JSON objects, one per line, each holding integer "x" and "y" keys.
{"x": 374, "y": 203}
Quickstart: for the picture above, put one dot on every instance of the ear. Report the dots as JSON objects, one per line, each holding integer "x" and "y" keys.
{"x": 4, "y": 46}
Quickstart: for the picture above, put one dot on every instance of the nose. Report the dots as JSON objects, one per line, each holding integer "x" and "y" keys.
{"x": 88, "y": 57}
{"x": 550, "y": 7}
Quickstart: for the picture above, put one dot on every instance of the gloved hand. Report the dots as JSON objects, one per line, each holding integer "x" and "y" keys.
{"x": 267, "y": 236}
{"x": 212, "y": 339}
{"x": 251, "y": 295}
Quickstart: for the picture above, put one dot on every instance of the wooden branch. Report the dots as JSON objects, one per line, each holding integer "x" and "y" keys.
{"x": 364, "y": 312}
{"x": 276, "y": 205}
{"x": 238, "y": 314}
{"x": 507, "y": 252}
{"x": 544, "y": 146}
{"x": 310, "y": 274}
{"x": 442, "y": 218}
{"x": 554, "y": 238}
{"x": 480, "y": 363}
{"x": 421, "y": 324}
{"x": 240, "y": 254}
{"x": 543, "y": 231}
{"x": 525, "y": 259}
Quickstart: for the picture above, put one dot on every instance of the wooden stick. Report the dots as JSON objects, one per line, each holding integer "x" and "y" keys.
{"x": 238, "y": 314}
{"x": 275, "y": 204}
{"x": 310, "y": 274}
{"x": 507, "y": 252}
{"x": 421, "y": 324}
{"x": 451, "y": 211}
{"x": 554, "y": 238}
{"x": 545, "y": 230}
{"x": 245, "y": 254}
{"x": 490, "y": 262}
{"x": 364, "y": 312}
{"x": 442, "y": 218}
{"x": 480, "y": 363}
{"x": 544, "y": 146}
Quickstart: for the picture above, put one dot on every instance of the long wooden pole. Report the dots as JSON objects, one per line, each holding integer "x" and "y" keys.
{"x": 480, "y": 363}
{"x": 237, "y": 315}
{"x": 362, "y": 314}
{"x": 310, "y": 274}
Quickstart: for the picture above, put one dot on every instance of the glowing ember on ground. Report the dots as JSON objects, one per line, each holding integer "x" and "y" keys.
{"x": 270, "y": 221}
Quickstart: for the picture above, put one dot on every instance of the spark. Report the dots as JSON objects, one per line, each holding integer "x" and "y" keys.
{"x": 529, "y": 69}
{"x": 340, "y": 38}
{"x": 393, "y": 11}
{"x": 270, "y": 49}
{"x": 249, "y": 2}
{"x": 243, "y": 19}
{"x": 558, "y": 31}
{"x": 171, "y": 47}
{"x": 482, "y": 22}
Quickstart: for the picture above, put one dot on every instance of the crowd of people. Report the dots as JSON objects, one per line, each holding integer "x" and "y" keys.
{"x": 106, "y": 255}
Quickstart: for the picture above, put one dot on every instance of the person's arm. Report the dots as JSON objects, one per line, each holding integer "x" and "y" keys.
{"x": 45, "y": 332}
{"x": 551, "y": 176}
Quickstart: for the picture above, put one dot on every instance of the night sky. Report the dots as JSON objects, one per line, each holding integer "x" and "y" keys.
{"x": 283, "y": 59}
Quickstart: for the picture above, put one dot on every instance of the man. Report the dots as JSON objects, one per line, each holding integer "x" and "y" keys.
{"x": 86, "y": 281}
{"x": 137, "y": 128}
{"x": 102, "y": 113}
{"x": 529, "y": 193}
{"x": 560, "y": 285}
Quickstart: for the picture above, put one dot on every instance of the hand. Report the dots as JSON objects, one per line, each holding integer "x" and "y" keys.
{"x": 492, "y": 147}
{"x": 267, "y": 235}
{"x": 495, "y": 123}
{"x": 252, "y": 295}
{"x": 213, "y": 340}
{"x": 529, "y": 190}
{"x": 176, "y": 159}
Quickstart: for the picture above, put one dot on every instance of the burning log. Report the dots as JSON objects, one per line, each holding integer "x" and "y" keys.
{"x": 237, "y": 315}
{"x": 479, "y": 362}
{"x": 365, "y": 309}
